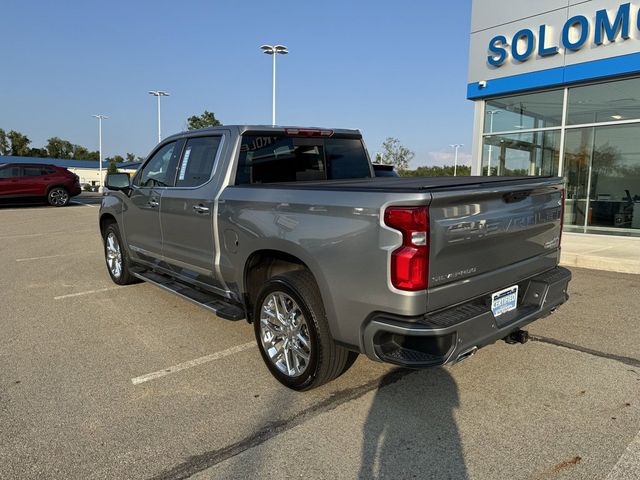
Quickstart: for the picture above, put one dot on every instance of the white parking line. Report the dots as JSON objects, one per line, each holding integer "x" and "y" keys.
{"x": 81, "y": 203}
{"x": 89, "y": 292}
{"x": 628, "y": 465}
{"x": 44, "y": 234}
{"x": 23, "y": 235}
{"x": 44, "y": 257}
{"x": 192, "y": 363}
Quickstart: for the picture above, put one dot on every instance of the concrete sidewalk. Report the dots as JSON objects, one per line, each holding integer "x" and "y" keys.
{"x": 601, "y": 252}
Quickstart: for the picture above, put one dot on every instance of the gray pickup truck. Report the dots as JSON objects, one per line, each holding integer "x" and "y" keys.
{"x": 289, "y": 229}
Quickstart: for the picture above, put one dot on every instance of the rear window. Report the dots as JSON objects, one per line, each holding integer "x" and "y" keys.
{"x": 279, "y": 158}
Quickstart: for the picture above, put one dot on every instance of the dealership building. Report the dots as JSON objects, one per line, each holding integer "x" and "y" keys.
{"x": 556, "y": 86}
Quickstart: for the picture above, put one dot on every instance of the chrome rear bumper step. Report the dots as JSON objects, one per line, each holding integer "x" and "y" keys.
{"x": 210, "y": 301}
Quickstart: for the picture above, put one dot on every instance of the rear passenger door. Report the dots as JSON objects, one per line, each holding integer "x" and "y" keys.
{"x": 33, "y": 181}
{"x": 187, "y": 212}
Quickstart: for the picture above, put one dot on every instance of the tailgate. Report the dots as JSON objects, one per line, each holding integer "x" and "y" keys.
{"x": 492, "y": 236}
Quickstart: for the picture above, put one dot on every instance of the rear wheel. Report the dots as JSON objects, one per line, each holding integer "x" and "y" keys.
{"x": 116, "y": 256}
{"x": 293, "y": 335}
{"x": 58, "y": 197}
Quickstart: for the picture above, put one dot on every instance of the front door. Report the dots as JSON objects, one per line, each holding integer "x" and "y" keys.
{"x": 187, "y": 217}
{"x": 142, "y": 219}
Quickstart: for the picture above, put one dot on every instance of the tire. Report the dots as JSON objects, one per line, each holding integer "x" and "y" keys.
{"x": 116, "y": 257}
{"x": 302, "y": 330}
{"x": 58, "y": 197}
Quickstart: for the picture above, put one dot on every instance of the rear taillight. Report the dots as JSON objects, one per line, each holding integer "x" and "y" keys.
{"x": 410, "y": 262}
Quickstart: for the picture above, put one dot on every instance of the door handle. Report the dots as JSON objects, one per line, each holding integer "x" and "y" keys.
{"x": 201, "y": 209}
{"x": 153, "y": 203}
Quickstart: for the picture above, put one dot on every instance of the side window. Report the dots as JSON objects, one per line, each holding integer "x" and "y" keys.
{"x": 32, "y": 171}
{"x": 9, "y": 172}
{"x": 197, "y": 161}
{"x": 158, "y": 172}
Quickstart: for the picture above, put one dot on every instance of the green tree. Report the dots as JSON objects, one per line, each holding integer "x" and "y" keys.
{"x": 5, "y": 148}
{"x": 130, "y": 157}
{"x": 393, "y": 153}
{"x": 207, "y": 119}
{"x": 38, "y": 152}
{"x": 92, "y": 155}
{"x": 434, "y": 171}
{"x": 112, "y": 168}
{"x": 59, "y": 148}
{"x": 80, "y": 153}
{"x": 19, "y": 143}
{"x": 115, "y": 159}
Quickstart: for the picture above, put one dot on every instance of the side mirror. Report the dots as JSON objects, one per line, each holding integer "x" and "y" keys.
{"x": 118, "y": 181}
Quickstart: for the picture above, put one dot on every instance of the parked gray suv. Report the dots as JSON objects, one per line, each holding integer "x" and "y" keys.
{"x": 288, "y": 228}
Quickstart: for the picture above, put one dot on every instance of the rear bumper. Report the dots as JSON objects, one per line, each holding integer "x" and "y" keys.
{"x": 447, "y": 335}
{"x": 75, "y": 190}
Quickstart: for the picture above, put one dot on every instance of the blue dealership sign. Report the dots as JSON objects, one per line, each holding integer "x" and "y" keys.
{"x": 574, "y": 35}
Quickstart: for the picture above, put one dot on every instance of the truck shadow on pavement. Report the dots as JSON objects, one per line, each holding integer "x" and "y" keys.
{"x": 410, "y": 430}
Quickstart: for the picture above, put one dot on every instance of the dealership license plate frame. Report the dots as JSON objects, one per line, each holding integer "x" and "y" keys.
{"x": 498, "y": 307}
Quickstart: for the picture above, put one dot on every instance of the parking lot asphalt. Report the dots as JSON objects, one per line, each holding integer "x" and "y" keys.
{"x": 99, "y": 381}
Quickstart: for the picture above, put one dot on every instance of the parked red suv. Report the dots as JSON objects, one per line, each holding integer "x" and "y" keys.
{"x": 27, "y": 180}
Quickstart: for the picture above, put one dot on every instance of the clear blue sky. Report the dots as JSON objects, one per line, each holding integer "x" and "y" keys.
{"x": 389, "y": 68}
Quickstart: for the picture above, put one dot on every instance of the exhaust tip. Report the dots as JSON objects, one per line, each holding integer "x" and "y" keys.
{"x": 466, "y": 354}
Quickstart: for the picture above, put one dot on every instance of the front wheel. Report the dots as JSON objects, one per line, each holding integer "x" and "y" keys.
{"x": 293, "y": 334}
{"x": 58, "y": 197}
{"x": 116, "y": 256}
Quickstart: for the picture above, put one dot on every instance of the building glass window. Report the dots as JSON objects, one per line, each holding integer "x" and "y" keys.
{"x": 522, "y": 135}
{"x": 521, "y": 154}
{"x": 524, "y": 112}
{"x": 604, "y": 102}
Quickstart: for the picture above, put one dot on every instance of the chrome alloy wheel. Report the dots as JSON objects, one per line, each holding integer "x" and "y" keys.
{"x": 59, "y": 196}
{"x": 284, "y": 334}
{"x": 114, "y": 255}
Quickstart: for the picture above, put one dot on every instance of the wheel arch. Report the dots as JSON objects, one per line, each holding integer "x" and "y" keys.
{"x": 57, "y": 185}
{"x": 105, "y": 220}
{"x": 266, "y": 263}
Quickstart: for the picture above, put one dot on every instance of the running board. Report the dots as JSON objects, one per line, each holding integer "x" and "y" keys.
{"x": 212, "y": 302}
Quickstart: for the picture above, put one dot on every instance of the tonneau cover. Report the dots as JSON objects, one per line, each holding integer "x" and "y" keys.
{"x": 410, "y": 184}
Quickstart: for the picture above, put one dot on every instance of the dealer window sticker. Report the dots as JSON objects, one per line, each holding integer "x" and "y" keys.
{"x": 185, "y": 162}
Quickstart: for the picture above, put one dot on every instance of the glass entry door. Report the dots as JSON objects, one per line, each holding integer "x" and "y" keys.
{"x": 577, "y": 168}
{"x": 602, "y": 168}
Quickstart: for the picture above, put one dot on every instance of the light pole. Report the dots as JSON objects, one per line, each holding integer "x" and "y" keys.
{"x": 491, "y": 113}
{"x": 158, "y": 94}
{"x": 455, "y": 147}
{"x": 274, "y": 50}
{"x": 100, "y": 117}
